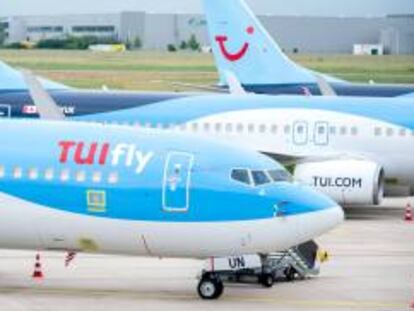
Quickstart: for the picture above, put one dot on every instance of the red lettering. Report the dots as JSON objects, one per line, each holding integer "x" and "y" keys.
{"x": 65, "y": 145}
{"x": 89, "y": 159}
{"x": 104, "y": 154}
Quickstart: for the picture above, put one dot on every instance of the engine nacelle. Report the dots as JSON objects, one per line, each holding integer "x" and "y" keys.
{"x": 348, "y": 182}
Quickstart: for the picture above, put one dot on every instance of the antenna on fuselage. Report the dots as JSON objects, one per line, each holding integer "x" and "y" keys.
{"x": 46, "y": 106}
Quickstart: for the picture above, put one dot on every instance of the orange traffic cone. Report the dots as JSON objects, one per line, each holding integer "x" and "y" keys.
{"x": 37, "y": 273}
{"x": 408, "y": 213}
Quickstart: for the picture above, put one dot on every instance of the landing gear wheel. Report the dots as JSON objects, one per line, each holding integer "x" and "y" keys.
{"x": 210, "y": 287}
{"x": 267, "y": 280}
{"x": 290, "y": 274}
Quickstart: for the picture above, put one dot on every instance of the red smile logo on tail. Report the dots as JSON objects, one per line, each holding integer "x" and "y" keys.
{"x": 233, "y": 57}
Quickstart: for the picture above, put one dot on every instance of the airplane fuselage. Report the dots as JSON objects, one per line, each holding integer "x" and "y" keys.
{"x": 112, "y": 189}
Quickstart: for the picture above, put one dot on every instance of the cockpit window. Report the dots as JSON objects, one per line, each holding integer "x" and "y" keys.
{"x": 257, "y": 178}
{"x": 260, "y": 178}
{"x": 241, "y": 175}
{"x": 279, "y": 175}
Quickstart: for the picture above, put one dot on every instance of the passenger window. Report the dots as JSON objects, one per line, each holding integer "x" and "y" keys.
{"x": 195, "y": 127}
{"x": 49, "y": 174}
{"x": 241, "y": 175}
{"x": 260, "y": 178}
{"x": 321, "y": 130}
{"x": 287, "y": 129}
{"x": 80, "y": 176}
{"x": 274, "y": 129}
{"x": 96, "y": 177}
{"x": 378, "y": 131}
{"x": 390, "y": 131}
{"x": 113, "y": 178}
{"x": 33, "y": 173}
{"x": 17, "y": 172}
{"x": 403, "y": 132}
{"x": 229, "y": 127}
{"x": 343, "y": 130}
{"x": 240, "y": 128}
{"x": 354, "y": 131}
{"x": 206, "y": 127}
{"x": 280, "y": 175}
{"x": 332, "y": 130}
{"x": 250, "y": 128}
{"x": 64, "y": 175}
{"x": 218, "y": 127}
{"x": 262, "y": 128}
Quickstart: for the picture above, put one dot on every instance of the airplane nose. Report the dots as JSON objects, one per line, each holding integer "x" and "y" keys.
{"x": 317, "y": 223}
{"x": 320, "y": 215}
{"x": 314, "y": 212}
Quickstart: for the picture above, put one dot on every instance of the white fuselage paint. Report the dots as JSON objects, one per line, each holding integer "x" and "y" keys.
{"x": 25, "y": 225}
{"x": 392, "y": 148}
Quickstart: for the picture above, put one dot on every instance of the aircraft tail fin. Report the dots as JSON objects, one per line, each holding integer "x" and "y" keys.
{"x": 12, "y": 80}
{"x": 242, "y": 45}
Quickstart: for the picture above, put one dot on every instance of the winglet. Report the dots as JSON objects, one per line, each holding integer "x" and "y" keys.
{"x": 46, "y": 106}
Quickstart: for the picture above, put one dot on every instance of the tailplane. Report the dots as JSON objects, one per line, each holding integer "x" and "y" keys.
{"x": 12, "y": 80}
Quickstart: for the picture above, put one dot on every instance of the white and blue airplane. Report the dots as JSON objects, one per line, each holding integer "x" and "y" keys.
{"x": 349, "y": 148}
{"x": 116, "y": 190}
{"x": 242, "y": 46}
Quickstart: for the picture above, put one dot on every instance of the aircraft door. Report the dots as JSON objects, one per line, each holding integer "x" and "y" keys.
{"x": 177, "y": 182}
{"x": 5, "y": 111}
{"x": 300, "y": 133}
{"x": 321, "y": 133}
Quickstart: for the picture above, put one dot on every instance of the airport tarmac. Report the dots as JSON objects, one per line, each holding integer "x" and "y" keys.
{"x": 371, "y": 267}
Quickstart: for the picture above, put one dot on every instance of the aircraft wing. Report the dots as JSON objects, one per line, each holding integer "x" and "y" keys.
{"x": 47, "y": 107}
{"x": 289, "y": 160}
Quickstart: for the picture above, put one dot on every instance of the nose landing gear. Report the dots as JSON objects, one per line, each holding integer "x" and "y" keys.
{"x": 210, "y": 286}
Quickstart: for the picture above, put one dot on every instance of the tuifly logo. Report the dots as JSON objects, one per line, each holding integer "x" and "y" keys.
{"x": 127, "y": 155}
{"x": 233, "y": 56}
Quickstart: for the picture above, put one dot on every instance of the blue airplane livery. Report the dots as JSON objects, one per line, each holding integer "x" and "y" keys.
{"x": 117, "y": 190}
{"x": 242, "y": 46}
{"x": 352, "y": 149}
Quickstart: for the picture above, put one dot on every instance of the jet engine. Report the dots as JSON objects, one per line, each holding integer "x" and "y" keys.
{"x": 348, "y": 182}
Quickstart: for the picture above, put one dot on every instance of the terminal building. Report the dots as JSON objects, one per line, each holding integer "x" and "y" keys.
{"x": 392, "y": 34}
